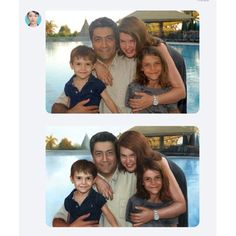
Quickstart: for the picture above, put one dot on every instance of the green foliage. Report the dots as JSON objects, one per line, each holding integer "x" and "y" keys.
{"x": 65, "y": 144}
{"x": 50, "y": 28}
{"x": 50, "y": 142}
{"x": 64, "y": 31}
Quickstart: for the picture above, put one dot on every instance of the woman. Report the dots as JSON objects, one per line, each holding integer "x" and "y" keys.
{"x": 134, "y": 148}
{"x": 133, "y": 38}
{"x": 33, "y": 18}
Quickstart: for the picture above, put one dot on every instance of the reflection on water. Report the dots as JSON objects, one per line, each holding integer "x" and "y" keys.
{"x": 58, "y": 71}
{"x": 58, "y": 165}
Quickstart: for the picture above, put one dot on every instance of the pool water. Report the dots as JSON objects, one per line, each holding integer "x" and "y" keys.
{"x": 58, "y": 165}
{"x": 58, "y": 71}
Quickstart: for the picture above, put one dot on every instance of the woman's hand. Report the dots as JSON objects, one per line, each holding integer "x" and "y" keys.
{"x": 104, "y": 188}
{"x": 103, "y": 73}
{"x": 145, "y": 215}
{"x": 144, "y": 101}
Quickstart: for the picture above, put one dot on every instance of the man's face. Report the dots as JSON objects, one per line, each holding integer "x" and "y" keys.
{"x": 104, "y": 44}
{"x": 104, "y": 157}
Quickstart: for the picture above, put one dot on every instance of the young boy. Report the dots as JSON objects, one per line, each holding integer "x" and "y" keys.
{"x": 83, "y": 85}
{"x": 84, "y": 199}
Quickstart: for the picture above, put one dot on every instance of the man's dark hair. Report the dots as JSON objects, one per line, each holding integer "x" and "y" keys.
{"x": 104, "y": 137}
{"x": 104, "y": 22}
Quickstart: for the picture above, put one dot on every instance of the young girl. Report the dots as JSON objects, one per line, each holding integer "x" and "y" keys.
{"x": 153, "y": 193}
{"x": 152, "y": 78}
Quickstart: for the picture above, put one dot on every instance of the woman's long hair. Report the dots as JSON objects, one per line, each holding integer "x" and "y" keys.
{"x": 136, "y": 28}
{"x": 138, "y": 143}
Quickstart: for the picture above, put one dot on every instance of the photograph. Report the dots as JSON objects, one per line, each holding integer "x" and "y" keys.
{"x": 136, "y": 61}
{"x": 141, "y": 176}
{"x": 33, "y": 19}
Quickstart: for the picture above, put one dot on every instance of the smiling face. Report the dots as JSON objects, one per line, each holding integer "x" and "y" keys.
{"x": 128, "y": 45}
{"x": 105, "y": 159}
{"x": 104, "y": 44}
{"x": 128, "y": 159}
{"x": 82, "y": 67}
{"x": 152, "y": 181}
{"x": 83, "y": 182}
{"x": 152, "y": 67}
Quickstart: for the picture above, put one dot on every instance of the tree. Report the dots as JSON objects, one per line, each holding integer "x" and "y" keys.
{"x": 50, "y": 142}
{"x": 65, "y": 144}
{"x": 50, "y": 28}
{"x": 64, "y": 31}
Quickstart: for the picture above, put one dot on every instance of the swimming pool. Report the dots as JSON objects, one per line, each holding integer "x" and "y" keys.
{"x": 58, "y": 71}
{"x": 58, "y": 165}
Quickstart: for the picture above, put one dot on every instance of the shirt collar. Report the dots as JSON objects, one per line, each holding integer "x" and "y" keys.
{"x": 114, "y": 176}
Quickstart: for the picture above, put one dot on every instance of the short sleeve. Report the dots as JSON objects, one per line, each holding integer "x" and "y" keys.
{"x": 62, "y": 214}
{"x": 128, "y": 210}
{"x": 100, "y": 86}
{"x": 100, "y": 200}
{"x": 130, "y": 92}
{"x": 63, "y": 99}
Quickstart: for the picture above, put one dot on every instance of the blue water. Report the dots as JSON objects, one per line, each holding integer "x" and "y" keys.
{"x": 190, "y": 52}
{"x": 58, "y": 165}
{"x": 58, "y": 71}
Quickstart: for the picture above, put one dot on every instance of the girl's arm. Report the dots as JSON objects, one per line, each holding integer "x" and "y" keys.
{"x": 103, "y": 73}
{"x": 109, "y": 102}
{"x": 103, "y": 187}
{"x": 110, "y": 217}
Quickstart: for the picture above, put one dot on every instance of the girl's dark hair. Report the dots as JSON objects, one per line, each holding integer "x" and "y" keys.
{"x": 83, "y": 166}
{"x": 35, "y": 12}
{"x": 138, "y": 143}
{"x": 141, "y": 78}
{"x": 150, "y": 164}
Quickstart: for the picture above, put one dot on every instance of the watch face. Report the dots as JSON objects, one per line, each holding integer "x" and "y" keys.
{"x": 155, "y": 101}
{"x": 156, "y": 216}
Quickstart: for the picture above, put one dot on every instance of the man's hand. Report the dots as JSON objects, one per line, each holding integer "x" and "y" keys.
{"x": 81, "y": 108}
{"x": 80, "y": 222}
{"x": 145, "y": 215}
{"x": 78, "y": 108}
{"x": 104, "y": 188}
{"x": 144, "y": 101}
{"x": 103, "y": 73}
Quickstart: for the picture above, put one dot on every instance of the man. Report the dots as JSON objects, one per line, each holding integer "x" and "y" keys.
{"x": 104, "y": 36}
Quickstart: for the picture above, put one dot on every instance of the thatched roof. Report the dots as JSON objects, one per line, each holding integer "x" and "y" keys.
{"x": 161, "y": 16}
{"x": 166, "y": 130}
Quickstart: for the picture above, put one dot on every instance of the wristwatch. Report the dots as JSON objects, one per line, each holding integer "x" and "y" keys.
{"x": 155, "y": 100}
{"x": 156, "y": 215}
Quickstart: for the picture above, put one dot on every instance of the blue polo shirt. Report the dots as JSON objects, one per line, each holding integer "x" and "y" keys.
{"x": 92, "y": 90}
{"x": 92, "y": 204}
